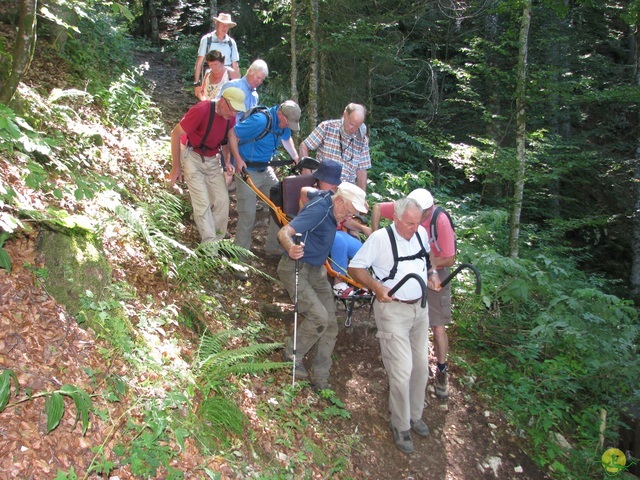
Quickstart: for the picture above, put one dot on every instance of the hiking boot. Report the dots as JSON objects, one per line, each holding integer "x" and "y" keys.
{"x": 403, "y": 440}
{"x": 442, "y": 384}
{"x": 319, "y": 385}
{"x": 419, "y": 427}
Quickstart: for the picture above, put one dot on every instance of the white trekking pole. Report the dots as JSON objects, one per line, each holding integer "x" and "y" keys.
{"x": 296, "y": 240}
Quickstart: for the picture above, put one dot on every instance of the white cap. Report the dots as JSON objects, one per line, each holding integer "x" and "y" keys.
{"x": 423, "y": 197}
{"x": 354, "y": 194}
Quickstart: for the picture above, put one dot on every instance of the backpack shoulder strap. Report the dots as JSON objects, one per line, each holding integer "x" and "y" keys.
{"x": 212, "y": 113}
{"x": 258, "y": 109}
{"x": 433, "y": 228}
{"x": 394, "y": 252}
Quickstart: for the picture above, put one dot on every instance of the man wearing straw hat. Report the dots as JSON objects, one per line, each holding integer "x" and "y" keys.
{"x": 219, "y": 40}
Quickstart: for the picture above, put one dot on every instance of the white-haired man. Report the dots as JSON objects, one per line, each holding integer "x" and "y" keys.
{"x": 396, "y": 256}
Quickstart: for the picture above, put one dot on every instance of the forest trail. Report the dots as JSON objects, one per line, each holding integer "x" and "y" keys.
{"x": 467, "y": 440}
{"x": 46, "y": 348}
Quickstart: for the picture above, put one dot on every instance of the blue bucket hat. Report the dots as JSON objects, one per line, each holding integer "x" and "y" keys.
{"x": 328, "y": 171}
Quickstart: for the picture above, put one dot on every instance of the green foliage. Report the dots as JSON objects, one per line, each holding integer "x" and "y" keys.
{"x": 546, "y": 343}
{"x": 148, "y": 452}
{"x": 70, "y": 475}
{"x": 5, "y": 259}
{"x": 98, "y": 46}
{"x": 128, "y": 105}
{"x": 215, "y": 364}
{"x": 16, "y": 132}
{"x": 54, "y": 401}
{"x": 5, "y": 387}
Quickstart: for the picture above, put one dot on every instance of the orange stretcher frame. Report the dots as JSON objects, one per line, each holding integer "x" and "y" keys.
{"x": 283, "y": 219}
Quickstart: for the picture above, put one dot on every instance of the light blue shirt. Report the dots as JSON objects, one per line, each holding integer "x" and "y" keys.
{"x": 250, "y": 94}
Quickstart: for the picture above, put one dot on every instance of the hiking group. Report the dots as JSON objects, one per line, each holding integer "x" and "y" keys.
{"x": 227, "y": 132}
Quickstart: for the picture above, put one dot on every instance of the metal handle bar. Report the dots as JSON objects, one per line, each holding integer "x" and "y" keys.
{"x": 423, "y": 300}
{"x": 470, "y": 267}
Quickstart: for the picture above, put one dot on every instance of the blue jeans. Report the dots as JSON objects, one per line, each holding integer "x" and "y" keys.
{"x": 344, "y": 247}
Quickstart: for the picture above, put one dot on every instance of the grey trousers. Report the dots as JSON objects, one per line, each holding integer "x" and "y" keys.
{"x": 316, "y": 305}
{"x": 246, "y": 207}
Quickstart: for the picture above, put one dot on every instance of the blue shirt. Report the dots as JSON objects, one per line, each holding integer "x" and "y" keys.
{"x": 250, "y": 94}
{"x": 318, "y": 226}
{"x": 251, "y": 127}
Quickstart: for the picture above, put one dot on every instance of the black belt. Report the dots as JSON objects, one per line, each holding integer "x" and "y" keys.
{"x": 262, "y": 166}
{"x": 408, "y": 302}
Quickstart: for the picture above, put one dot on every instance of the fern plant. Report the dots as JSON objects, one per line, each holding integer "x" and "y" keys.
{"x": 213, "y": 366}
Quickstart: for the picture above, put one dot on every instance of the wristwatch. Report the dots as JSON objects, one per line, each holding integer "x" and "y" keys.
{"x": 197, "y": 84}
{"x": 432, "y": 272}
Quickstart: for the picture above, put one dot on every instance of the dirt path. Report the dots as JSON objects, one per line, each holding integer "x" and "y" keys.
{"x": 467, "y": 440}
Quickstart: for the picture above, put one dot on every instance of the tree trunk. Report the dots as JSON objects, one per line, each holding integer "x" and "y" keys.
{"x": 635, "y": 240}
{"x": 521, "y": 131}
{"x": 294, "y": 56}
{"x": 22, "y": 50}
{"x": 214, "y": 13}
{"x": 312, "y": 107}
{"x": 150, "y": 21}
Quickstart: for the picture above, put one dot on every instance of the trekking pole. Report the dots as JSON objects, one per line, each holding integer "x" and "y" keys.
{"x": 296, "y": 240}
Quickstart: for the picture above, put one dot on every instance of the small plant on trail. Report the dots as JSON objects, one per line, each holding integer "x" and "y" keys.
{"x": 54, "y": 401}
{"x": 5, "y": 259}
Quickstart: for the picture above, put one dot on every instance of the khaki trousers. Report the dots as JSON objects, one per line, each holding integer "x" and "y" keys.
{"x": 403, "y": 332}
{"x": 208, "y": 192}
{"x": 316, "y": 305}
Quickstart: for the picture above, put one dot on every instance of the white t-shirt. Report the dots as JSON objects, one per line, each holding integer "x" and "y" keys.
{"x": 376, "y": 253}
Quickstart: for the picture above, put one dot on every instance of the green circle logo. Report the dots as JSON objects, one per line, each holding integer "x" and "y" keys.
{"x": 613, "y": 461}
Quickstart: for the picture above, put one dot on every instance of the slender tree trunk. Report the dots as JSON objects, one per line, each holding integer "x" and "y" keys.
{"x": 312, "y": 108}
{"x": 294, "y": 56}
{"x": 214, "y": 13}
{"x": 150, "y": 21}
{"x": 557, "y": 56}
{"x": 635, "y": 239}
{"x": 22, "y": 50}
{"x": 521, "y": 131}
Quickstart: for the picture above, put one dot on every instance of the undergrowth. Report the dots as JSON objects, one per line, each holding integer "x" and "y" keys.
{"x": 543, "y": 342}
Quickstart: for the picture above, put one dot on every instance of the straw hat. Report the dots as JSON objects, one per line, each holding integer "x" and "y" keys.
{"x": 226, "y": 19}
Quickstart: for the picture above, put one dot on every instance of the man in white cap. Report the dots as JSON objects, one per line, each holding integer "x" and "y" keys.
{"x": 220, "y": 40}
{"x": 442, "y": 240}
{"x": 397, "y": 255}
{"x": 316, "y": 222}
{"x": 254, "y": 143}
{"x": 198, "y": 139}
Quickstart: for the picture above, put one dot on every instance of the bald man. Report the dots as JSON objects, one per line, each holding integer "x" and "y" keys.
{"x": 344, "y": 140}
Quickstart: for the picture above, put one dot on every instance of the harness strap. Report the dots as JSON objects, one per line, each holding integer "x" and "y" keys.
{"x": 422, "y": 253}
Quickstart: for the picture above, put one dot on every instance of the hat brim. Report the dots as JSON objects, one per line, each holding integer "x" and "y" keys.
{"x": 231, "y": 24}
{"x": 295, "y": 126}
{"x": 238, "y": 107}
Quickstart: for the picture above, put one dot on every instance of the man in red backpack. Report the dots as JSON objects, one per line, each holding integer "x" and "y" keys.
{"x": 196, "y": 151}
{"x": 442, "y": 240}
